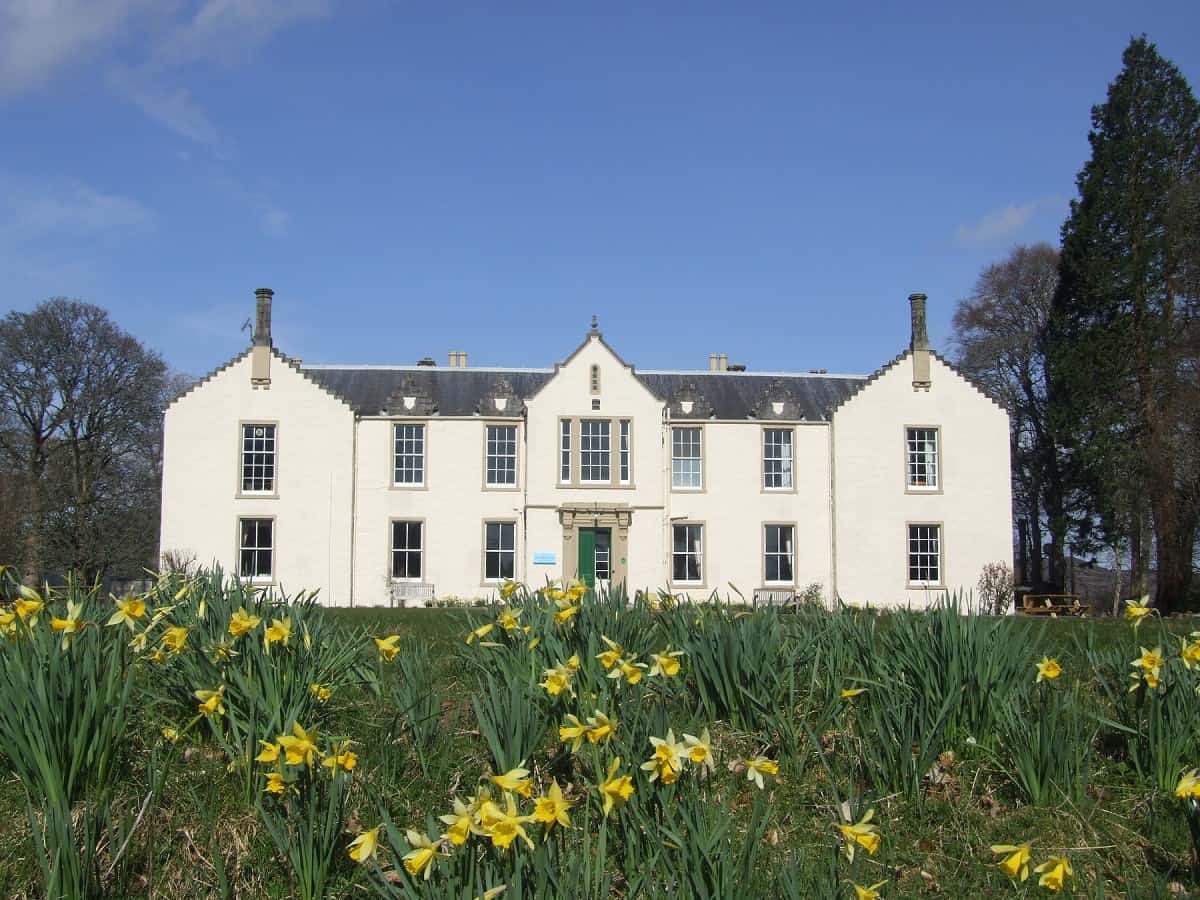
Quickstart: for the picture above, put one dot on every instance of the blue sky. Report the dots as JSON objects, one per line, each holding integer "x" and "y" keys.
{"x": 770, "y": 181}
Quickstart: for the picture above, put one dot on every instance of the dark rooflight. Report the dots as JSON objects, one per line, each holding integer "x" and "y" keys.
{"x": 426, "y": 361}
{"x": 736, "y": 367}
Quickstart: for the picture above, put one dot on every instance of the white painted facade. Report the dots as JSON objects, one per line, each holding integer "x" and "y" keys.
{"x": 334, "y": 493}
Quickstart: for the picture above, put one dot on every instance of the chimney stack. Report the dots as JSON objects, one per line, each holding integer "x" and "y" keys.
{"x": 712, "y": 362}
{"x": 919, "y": 343}
{"x": 260, "y": 354}
{"x": 723, "y": 362}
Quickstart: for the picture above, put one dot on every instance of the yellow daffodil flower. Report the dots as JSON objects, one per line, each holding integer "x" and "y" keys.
{"x": 388, "y": 647}
{"x": 222, "y": 650}
{"x": 573, "y": 731}
{"x": 211, "y": 702}
{"x": 557, "y": 680}
{"x": 665, "y": 663}
{"x": 29, "y": 605}
{"x": 515, "y": 780}
{"x": 8, "y": 625}
{"x": 566, "y": 614}
{"x": 615, "y": 789}
{"x": 321, "y": 692}
{"x": 279, "y": 632}
{"x": 1189, "y": 653}
{"x": 629, "y": 669}
{"x": 242, "y": 623}
{"x": 341, "y": 757}
{"x": 1136, "y": 610}
{"x": 1150, "y": 660}
{"x": 462, "y": 826}
{"x": 170, "y": 734}
{"x": 851, "y": 693}
{"x": 1056, "y": 871}
{"x": 1016, "y": 860}
{"x": 600, "y": 727}
{"x": 552, "y": 808}
{"x": 573, "y": 663}
{"x": 860, "y": 834}
{"x": 667, "y": 762}
{"x": 508, "y": 620}
{"x": 1189, "y": 786}
{"x": 759, "y": 766}
{"x": 300, "y": 746}
{"x": 68, "y": 626}
{"x": 363, "y": 847}
{"x": 1048, "y": 669}
{"x": 556, "y": 594}
{"x": 699, "y": 751}
{"x": 129, "y": 610}
{"x": 480, "y": 633}
{"x": 508, "y": 589}
{"x": 175, "y": 639}
{"x": 269, "y": 753}
{"x": 867, "y": 893}
{"x": 275, "y": 784}
{"x": 612, "y": 655}
{"x": 508, "y": 826}
{"x": 419, "y": 860}
{"x": 159, "y": 656}
{"x": 576, "y": 591}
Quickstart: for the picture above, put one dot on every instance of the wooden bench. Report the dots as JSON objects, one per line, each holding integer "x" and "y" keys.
{"x": 402, "y": 593}
{"x": 785, "y": 597}
{"x": 1053, "y": 605}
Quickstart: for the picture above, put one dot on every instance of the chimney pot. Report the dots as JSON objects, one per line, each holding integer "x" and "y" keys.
{"x": 712, "y": 362}
{"x": 919, "y": 343}
{"x": 462, "y": 359}
{"x": 262, "y": 317}
{"x": 724, "y": 362}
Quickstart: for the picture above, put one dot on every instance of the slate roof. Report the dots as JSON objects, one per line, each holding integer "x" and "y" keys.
{"x": 459, "y": 392}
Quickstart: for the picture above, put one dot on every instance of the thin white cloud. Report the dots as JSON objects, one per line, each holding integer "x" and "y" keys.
{"x": 1005, "y": 222}
{"x": 224, "y": 30}
{"x": 174, "y": 109}
{"x": 31, "y": 209}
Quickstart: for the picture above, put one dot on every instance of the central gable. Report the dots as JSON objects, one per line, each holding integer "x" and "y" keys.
{"x": 594, "y": 380}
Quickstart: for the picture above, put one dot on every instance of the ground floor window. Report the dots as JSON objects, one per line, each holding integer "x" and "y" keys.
{"x": 687, "y": 554}
{"x": 925, "y": 554}
{"x": 256, "y": 549}
{"x": 407, "y": 550}
{"x": 499, "y": 550}
{"x": 779, "y": 554}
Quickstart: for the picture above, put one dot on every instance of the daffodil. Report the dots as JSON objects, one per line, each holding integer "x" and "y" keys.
{"x": 508, "y": 589}
{"x": 300, "y": 746}
{"x": 1056, "y": 871}
{"x": 211, "y": 702}
{"x": 462, "y": 826}
{"x": 480, "y": 633}
{"x": 1016, "y": 860}
{"x": 860, "y": 834}
{"x": 175, "y": 639}
{"x": 1189, "y": 786}
{"x": 507, "y": 826}
{"x": 508, "y": 620}
{"x": 573, "y": 731}
{"x": 565, "y": 614}
{"x": 699, "y": 751}
{"x": 665, "y": 663}
{"x": 269, "y": 752}
{"x": 129, "y": 610}
{"x": 159, "y": 656}
{"x": 612, "y": 655}
{"x": 279, "y": 632}
{"x": 1048, "y": 669}
{"x": 1150, "y": 660}
{"x": 576, "y": 591}
{"x": 275, "y": 784}
{"x": 1189, "y": 653}
{"x": 68, "y": 626}
{"x": 552, "y": 808}
{"x": 419, "y": 860}
{"x": 759, "y": 766}
{"x": 557, "y": 680}
{"x": 667, "y": 762}
{"x": 170, "y": 734}
{"x": 1136, "y": 610}
{"x": 363, "y": 847}
{"x": 29, "y": 605}
{"x": 573, "y": 663}
{"x": 8, "y": 624}
{"x": 515, "y": 780}
{"x": 867, "y": 893}
{"x": 556, "y": 594}
{"x": 242, "y": 623}
{"x": 615, "y": 789}
{"x": 340, "y": 757}
{"x": 851, "y": 693}
{"x": 600, "y": 727}
{"x": 320, "y": 691}
{"x": 629, "y": 669}
{"x": 388, "y": 647}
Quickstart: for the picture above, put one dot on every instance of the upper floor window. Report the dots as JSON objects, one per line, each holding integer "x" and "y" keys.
{"x": 921, "y": 459}
{"x": 687, "y": 554}
{"x": 924, "y": 554}
{"x": 686, "y": 465}
{"x": 624, "y": 451}
{"x": 779, "y": 554}
{"x": 258, "y": 459}
{"x": 501, "y": 455}
{"x": 595, "y": 450}
{"x": 777, "y": 458}
{"x": 256, "y": 549}
{"x": 564, "y": 469}
{"x": 499, "y": 550}
{"x": 409, "y": 462}
{"x": 407, "y": 550}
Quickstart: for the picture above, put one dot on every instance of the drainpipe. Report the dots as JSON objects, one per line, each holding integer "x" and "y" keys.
{"x": 353, "y": 499}
{"x": 833, "y": 561}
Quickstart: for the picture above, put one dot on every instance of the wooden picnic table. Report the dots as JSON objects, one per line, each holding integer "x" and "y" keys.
{"x": 1053, "y": 605}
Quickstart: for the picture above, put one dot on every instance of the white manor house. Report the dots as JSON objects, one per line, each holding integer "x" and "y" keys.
{"x": 401, "y": 484}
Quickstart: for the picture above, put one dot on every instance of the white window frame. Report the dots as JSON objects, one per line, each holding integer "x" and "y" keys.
{"x": 256, "y": 576}
{"x": 919, "y": 552}
{"x": 922, "y": 462}
{"x": 785, "y": 458}
{"x": 564, "y": 451}
{"x": 258, "y": 460}
{"x": 408, "y": 550}
{"x": 497, "y": 451}
{"x": 677, "y": 460}
{"x": 625, "y": 462}
{"x": 595, "y": 450}
{"x": 500, "y": 552}
{"x": 409, "y": 461}
{"x": 788, "y": 554}
{"x": 693, "y": 537}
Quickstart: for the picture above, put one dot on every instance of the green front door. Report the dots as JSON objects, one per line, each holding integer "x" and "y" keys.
{"x": 587, "y": 557}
